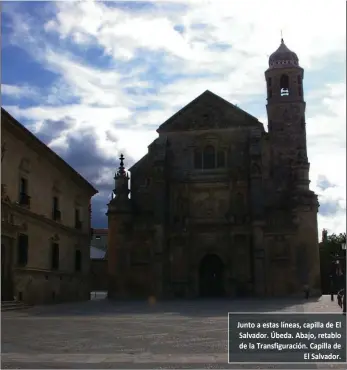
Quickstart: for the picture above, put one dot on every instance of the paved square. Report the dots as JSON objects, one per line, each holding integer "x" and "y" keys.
{"x": 106, "y": 334}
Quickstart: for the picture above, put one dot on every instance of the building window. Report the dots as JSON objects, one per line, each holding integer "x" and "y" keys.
{"x": 56, "y": 214}
{"x": 198, "y": 159}
{"x": 269, "y": 82}
{"x": 55, "y": 256}
{"x": 269, "y": 93}
{"x": 78, "y": 223}
{"x": 284, "y": 85}
{"x": 24, "y": 199}
{"x": 78, "y": 260}
{"x": 23, "y": 185}
{"x": 208, "y": 159}
{"x": 299, "y": 90}
{"x": 22, "y": 251}
{"x": 299, "y": 80}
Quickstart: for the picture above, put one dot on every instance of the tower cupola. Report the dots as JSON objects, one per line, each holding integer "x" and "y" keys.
{"x": 120, "y": 201}
{"x": 284, "y": 76}
{"x": 283, "y": 57}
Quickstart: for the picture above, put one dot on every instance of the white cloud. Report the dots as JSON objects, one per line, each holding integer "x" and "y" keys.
{"x": 19, "y": 91}
{"x": 163, "y": 56}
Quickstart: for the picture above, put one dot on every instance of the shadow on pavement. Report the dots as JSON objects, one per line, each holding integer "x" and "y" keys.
{"x": 191, "y": 308}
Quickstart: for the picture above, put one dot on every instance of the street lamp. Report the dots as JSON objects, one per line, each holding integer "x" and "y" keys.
{"x": 334, "y": 274}
{"x": 343, "y": 247}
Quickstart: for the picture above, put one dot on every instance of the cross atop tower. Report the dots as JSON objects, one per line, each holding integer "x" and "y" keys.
{"x": 121, "y": 169}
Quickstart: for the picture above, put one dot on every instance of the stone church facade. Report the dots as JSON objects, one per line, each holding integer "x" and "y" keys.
{"x": 218, "y": 206}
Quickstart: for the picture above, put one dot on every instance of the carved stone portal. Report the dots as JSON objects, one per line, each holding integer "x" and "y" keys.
{"x": 209, "y": 204}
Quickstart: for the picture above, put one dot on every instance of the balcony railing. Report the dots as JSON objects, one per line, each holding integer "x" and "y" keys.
{"x": 24, "y": 200}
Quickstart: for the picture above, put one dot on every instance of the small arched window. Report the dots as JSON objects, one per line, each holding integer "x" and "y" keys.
{"x": 284, "y": 85}
{"x": 55, "y": 256}
{"x": 209, "y": 157}
{"x": 299, "y": 80}
{"x": 269, "y": 82}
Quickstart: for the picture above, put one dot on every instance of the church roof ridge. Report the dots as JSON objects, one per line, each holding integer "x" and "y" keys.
{"x": 233, "y": 105}
{"x": 138, "y": 162}
{"x": 191, "y": 103}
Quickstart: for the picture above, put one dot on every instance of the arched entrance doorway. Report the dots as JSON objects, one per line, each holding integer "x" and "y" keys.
{"x": 211, "y": 276}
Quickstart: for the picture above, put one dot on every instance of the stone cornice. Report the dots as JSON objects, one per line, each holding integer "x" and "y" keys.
{"x": 42, "y": 219}
{"x": 31, "y": 270}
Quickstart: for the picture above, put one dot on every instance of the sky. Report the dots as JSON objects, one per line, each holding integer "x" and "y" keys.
{"x": 95, "y": 79}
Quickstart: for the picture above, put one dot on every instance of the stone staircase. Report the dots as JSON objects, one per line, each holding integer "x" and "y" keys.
{"x": 13, "y": 306}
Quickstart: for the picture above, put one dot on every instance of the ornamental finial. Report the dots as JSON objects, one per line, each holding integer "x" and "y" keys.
{"x": 121, "y": 169}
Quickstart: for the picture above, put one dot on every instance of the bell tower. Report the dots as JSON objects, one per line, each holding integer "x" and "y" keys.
{"x": 286, "y": 119}
{"x": 289, "y": 167}
{"x": 119, "y": 215}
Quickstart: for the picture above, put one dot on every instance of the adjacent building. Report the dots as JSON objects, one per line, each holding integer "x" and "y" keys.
{"x": 99, "y": 239}
{"x": 45, "y": 221}
{"x": 98, "y": 257}
{"x": 219, "y": 206}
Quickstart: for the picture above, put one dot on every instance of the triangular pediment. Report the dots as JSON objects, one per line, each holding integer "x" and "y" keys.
{"x": 208, "y": 112}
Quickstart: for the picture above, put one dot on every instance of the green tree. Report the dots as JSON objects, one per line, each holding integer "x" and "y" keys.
{"x": 330, "y": 248}
{"x": 337, "y": 239}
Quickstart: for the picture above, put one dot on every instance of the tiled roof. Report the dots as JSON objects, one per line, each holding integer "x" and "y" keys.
{"x": 100, "y": 231}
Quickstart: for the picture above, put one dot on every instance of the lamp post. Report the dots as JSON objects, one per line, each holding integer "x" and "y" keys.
{"x": 333, "y": 274}
{"x": 343, "y": 247}
{"x": 332, "y": 287}
{"x": 343, "y": 265}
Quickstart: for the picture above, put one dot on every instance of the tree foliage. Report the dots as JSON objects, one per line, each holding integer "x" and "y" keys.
{"x": 330, "y": 249}
{"x": 333, "y": 243}
{"x": 337, "y": 239}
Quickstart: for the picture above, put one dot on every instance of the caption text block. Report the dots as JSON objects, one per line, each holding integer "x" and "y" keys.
{"x": 287, "y": 338}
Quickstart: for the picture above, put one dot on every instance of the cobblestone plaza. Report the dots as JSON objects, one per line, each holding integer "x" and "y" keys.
{"x": 107, "y": 334}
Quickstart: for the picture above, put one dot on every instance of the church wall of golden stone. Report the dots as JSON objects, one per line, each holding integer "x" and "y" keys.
{"x": 233, "y": 210}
